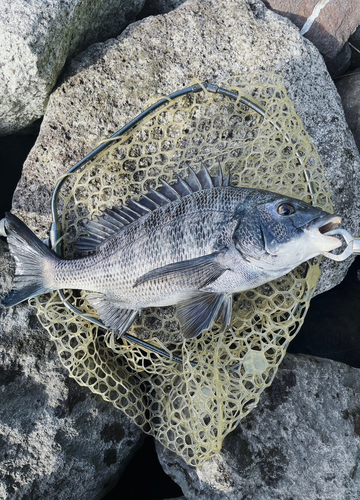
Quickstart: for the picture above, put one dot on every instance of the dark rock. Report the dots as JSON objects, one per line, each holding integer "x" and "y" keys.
{"x": 302, "y": 441}
{"x": 349, "y": 90}
{"x": 339, "y": 64}
{"x": 327, "y": 24}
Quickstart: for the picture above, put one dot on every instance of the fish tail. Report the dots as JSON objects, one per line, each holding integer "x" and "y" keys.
{"x": 32, "y": 258}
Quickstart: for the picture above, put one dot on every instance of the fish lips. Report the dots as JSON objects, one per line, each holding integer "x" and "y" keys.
{"x": 318, "y": 228}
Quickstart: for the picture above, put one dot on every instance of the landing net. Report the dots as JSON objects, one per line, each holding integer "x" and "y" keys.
{"x": 191, "y": 407}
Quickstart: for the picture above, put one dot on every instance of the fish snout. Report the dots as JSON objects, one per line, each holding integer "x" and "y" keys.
{"x": 322, "y": 231}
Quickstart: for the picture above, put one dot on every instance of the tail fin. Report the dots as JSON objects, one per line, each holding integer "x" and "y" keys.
{"x": 30, "y": 255}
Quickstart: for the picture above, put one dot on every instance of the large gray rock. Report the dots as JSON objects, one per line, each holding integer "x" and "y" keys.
{"x": 36, "y": 39}
{"x": 349, "y": 90}
{"x": 301, "y": 442}
{"x": 109, "y": 84}
{"x": 328, "y": 24}
{"x": 57, "y": 440}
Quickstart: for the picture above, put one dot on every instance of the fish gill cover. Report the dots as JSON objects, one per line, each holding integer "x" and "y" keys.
{"x": 191, "y": 407}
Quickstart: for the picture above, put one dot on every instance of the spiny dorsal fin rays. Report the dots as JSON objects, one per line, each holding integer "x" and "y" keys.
{"x": 110, "y": 222}
{"x": 161, "y": 198}
{"x": 97, "y": 228}
{"x": 120, "y": 212}
{"x": 130, "y": 212}
{"x": 182, "y": 186}
{"x": 86, "y": 244}
{"x": 114, "y": 219}
{"x": 218, "y": 179}
{"x": 169, "y": 191}
{"x": 193, "y": 181}
{"x": 146, "y": 199}
{"x": 205, "y": 178}
{"x": 135, "y": 205}
{"x": 116, "y": 216}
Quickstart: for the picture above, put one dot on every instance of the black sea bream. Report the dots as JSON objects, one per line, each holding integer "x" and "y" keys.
{"x": 193, "y": 244}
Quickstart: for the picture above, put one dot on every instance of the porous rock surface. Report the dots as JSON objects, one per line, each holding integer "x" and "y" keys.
{"x": 57, "y": 440}
{"x": 36, "y": 39}
{"x": 110, "y": 83}
{"x": 302, "y": 441}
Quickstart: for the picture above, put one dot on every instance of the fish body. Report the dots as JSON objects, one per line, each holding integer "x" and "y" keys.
{"x": 193, "y": 244}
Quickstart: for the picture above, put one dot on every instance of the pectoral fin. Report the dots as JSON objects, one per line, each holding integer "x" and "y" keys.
{"x": 199, "y": 311}
{"x": 196, "y": 273}
{"x": 113, "y": 316}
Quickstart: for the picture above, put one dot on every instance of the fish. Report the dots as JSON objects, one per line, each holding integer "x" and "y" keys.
{"x": 192, "y": 243}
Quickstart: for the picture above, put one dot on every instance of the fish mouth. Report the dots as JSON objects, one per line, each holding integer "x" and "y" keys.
{"x": 320, "y": 227}
{"x": 328, "y": 223}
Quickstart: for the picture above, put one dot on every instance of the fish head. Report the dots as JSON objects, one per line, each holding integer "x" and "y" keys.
{"x": 277, "y": 233}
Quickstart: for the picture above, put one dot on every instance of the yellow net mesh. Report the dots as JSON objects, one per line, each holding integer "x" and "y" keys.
{"x": 190, "y": 408}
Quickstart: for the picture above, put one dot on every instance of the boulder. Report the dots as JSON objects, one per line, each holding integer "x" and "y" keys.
{"x": 354, "y": 41}
{"x": 355, "y": 37}
{"x": 36, "y": 40}
{"x": 57, "y": 440}
{"x": 302, "y": 441}
{"x": 339, "y": 64}
{"x": 327, "y": 24}
{"x": 108, "y": 84}
{"x": 349, "y": 90}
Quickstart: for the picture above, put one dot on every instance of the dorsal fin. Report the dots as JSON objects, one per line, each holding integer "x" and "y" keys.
{"x": 182, "y": 186}
{"x": 169, "y": 191}
{"x": 218, "y": 179}
{"x": 193, "y": 181}
{"x": 205, "y": 178}
{"x": 114, "y": 219}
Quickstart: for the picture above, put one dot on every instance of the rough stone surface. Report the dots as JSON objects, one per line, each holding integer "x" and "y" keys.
{"x": 302, "y": 441}
{"x": 110, "y": 83}
{"x": 339, "y": 64}
{"x": 349, "y": 90}
{"x": 57, "y": 440}
{"x": 331, "y": 27}
{"x": 37, "y": 37}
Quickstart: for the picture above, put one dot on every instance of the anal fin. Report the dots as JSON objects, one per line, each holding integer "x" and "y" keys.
{"x": 113, "y": 316}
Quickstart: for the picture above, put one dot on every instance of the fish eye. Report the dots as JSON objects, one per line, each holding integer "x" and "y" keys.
{"x": 286, "y": 209}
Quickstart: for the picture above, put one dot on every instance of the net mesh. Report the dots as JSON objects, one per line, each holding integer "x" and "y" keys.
{"x": 191, "y": 407}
